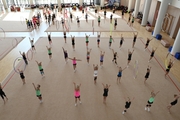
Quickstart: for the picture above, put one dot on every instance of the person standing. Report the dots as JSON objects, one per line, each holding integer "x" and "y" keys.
{"x": 65, "y": 54}
{"x": 115, "y": 23}
{"x": 49, "y": 38}
{"x": 98, "y": 38}
{"x": 77, "y": 93}
{"x": 38, "y": 92}
{"x": 21, "y": 73}
{"x": 95, "y": 72}
{"x": 101, "y": 58}
{"x": 147, "y": 73}
{"x": 88, "y": 55}
{"x": 99, "y": 20}
{"x": 110, "y": 41}
{"x": 32, "y": 44}
{"x": 121, "y": 41}
{"x": 40, "y": 67}
{"x": 65, "y": 36}
{"x": 174, "y": 102}
{"x": 2, "y": 94}
{"x": 78, "y": 22}
{"x": 73, "y": 42}
{"x": 129, "y": 57}
{"x": 106, "y": 90}
{"x": 114, "y": 57}
{"x": 49, "y": 52}
{"x": 147, "y": 43}
{"x": 74, "y": 60}
{"x": 168, "y": 67}
{"x": 151, "y": 100}
{"x": 119, "y": 75}
{"x": 105, "y": 14}
{"x": 24, "y": 57}
{"x": 152, "y": 54}
{"x": 134, "y": 39}
{"x": 87, "y": 40}
{"x": 128, "y": 104}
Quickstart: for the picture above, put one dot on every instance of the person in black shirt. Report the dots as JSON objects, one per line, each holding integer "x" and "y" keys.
{"x": 128, "y": 104}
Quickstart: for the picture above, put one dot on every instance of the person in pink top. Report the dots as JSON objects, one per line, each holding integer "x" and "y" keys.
{"x": 77, "y": 93}
{"x": 74, "y": 62}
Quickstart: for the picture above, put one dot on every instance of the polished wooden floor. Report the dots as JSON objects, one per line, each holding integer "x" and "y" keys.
{"x": 23, "y": 104}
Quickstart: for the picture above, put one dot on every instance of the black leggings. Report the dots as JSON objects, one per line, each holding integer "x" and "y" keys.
{"x": 2, "y": 94}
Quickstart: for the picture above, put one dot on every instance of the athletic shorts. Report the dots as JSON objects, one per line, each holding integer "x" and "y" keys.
{"x": 129, "y": 58}
{"x": 64, "y": 36}
{"x": 87, "y": 41}
{"x": 38, "y": 95}
{"x": 101, "y": 60}
{"x": 98, "y": 40}
{"x": 73, "y": 43}
{"x": 149, "y": 102}
{"x": 49, "y": 53}
{"x": 77, "y": 96}
{"x": 22, "y": 76}
{"x": 74, "y": 64}
{"x": 32, "y": 46}
{"x": 95, "y": 78}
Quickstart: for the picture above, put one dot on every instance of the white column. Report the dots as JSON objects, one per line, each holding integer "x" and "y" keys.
{"x": 31, "y": 2}
{"x": 102, "y": 3}
{"x": 80, "y": 2}
{"x": 161, "y": 14}
{"x": 176, "y": 45}
{"x": 59, "y": 3}
{"x": 137, "y": 8}
{"x": 5, "y": 4}
{"x": 129, "y": 5}
{"x": 147, "y": 6}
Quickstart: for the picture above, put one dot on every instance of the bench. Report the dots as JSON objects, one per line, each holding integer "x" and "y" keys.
{"x": 165, "y": 43}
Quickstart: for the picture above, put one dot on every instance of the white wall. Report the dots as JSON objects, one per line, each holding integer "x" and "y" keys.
{"x": 124, "y": 2}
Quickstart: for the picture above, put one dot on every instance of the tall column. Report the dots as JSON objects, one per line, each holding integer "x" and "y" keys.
{"x": 147, "y": 6}
{"x": 176, "y": 45}
{"x": 59, "y": 2}
{"x": 80, "y": 2}
{"x": 5, "y": 4}
{"x": 31, "y": 2}
{"x": 129, "y": 5}
{"x": 161, "y": 15}
{"x": 137, "y": 8}
{"x": 102, "y": 3}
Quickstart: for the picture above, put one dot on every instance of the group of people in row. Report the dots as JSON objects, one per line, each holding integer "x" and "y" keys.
{"x": 35, "y": 22}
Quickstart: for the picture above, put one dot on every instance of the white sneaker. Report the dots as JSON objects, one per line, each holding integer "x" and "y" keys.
{"x": 41, "y": 101}
{"x": 80, "y": 102}
{"x": 123, "y": 112}
{"x": 75, "y": 105}
{"x": 127, "y": 66}
{"x": 145, "y": 108}
{"x": 148, "y": 109}
{"x": 148, "y": 61}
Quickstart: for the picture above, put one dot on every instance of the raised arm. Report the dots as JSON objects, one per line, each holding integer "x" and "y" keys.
{"x": 34, "y": 86}
{"x": 113, "y": 51}
{"x": 70, "y": 58}
{"x": 103, "y": 85}
{"x": 124, "y": 68}
{"x": 36, "y": 62}
{"x": 74, "y": 85}
{"x": 78, "y": 60}
{"x": 47, "y": 47}
{"x": 132, "y": 51}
